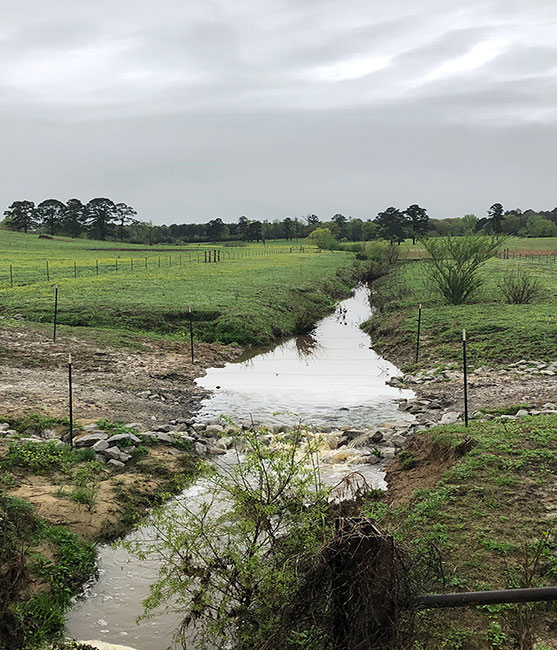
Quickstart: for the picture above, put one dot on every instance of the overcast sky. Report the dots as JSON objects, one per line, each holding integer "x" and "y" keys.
{"x": 194, "y": 109}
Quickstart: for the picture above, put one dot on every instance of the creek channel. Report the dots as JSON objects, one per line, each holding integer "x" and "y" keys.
{"x": 329, "y": 378}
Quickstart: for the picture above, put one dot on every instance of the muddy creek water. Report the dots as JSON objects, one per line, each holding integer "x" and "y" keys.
{"x": 329, "y": 378}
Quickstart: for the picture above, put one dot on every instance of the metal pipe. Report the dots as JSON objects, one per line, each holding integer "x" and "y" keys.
{"x": 470, "y": 598}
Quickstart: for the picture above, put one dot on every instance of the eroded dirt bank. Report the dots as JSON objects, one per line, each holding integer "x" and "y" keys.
{"x": 151, "y": 381}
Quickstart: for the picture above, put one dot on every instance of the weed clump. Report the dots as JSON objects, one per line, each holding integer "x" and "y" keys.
{"x": 520, "y": 287}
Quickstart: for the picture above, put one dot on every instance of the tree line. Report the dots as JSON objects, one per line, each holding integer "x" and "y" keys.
{"x": 102, "y": 218}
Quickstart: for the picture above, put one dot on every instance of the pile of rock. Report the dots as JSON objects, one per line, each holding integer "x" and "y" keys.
{"x": 114, "y": 449}
{"x": 431, "y": 412}
{"x": 29, "y": 435}
{"x": 521, "y": 368}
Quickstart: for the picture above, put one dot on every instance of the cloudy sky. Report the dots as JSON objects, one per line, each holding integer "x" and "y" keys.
{"x": 193, "y": 109}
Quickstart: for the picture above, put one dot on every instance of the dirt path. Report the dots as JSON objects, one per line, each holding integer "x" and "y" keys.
{"x": 150, "y": 385}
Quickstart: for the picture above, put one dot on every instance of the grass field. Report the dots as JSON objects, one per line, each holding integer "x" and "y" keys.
{"x": 488, "y": 516}
{"x": 26, "y": 259}
{"x": 498, "y": 332}
{"x": 252, "y": 296}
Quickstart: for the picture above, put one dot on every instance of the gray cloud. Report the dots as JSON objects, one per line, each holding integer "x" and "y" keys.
{"x": 275, "y": 107}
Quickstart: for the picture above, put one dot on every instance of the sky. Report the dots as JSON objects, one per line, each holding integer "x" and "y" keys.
{"x": 190, "y": 110}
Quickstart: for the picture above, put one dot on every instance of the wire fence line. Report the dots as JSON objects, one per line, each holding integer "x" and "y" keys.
{"x": 545, "y": 257}
{"x": 49, "y": 270}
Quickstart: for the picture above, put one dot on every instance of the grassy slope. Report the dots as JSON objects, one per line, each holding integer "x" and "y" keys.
{"x": 498, "y": 332}
{"x": 248, "y": 300}
{"x": 488, "y": 515}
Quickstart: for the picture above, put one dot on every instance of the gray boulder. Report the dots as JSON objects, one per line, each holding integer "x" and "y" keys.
{"x": 397, "y": 440}
{"x": 119, "y": 437}
{"x": 354, "y": 433}
{"x": 101, "y": 445}
{"x": 452, "y": 417}
{"x": 89, "y": 439}
{"x": 200, "y": 449}
{"x": 214, "y": 429}
{"x": 113, "y": 453}
{"x": 117, "y": 464}
{"x": 213, "y": 449}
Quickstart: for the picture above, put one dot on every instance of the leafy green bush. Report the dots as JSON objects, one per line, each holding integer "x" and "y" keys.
{"x": 234, "y": 564}
{"x": 39, "y": 618}
{"x": 455, "y": 263}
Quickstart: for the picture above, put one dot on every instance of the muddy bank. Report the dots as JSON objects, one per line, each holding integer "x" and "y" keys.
{"x": 143, "y": 380}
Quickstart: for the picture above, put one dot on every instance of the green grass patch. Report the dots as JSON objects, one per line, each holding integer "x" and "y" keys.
{"x": 28, "y": 620}
{"x": 252, "y": 299}
{"x": 498, "y": 333}
{"x": 43, "y": 457}
{"x": 488, "y": 516}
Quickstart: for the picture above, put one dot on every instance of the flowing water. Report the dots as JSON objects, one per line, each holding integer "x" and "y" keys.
{"x": 329, "y": 378}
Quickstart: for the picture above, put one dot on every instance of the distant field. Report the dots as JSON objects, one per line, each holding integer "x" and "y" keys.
{"x": 498, "y": 332}
{"x": 252, "y": 296}
{"x": 34, "y": 260}
{"x": 516, "y": 244}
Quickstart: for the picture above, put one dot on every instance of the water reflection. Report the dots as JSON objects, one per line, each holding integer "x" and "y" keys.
{"x": 306, "y": 346}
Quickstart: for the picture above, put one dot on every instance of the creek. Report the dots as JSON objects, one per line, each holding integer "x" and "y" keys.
{"x": 329, "y": 378}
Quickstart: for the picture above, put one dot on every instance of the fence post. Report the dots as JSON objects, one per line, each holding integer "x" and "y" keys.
{"x": 159, "y": 262}
{"x": 191, "y": 335}
{"x": 418, "y": 333}
{"x": 145, "y": 262}
{"x": 47, "y": 272}
{"x": 75, "y": 269}
{"x": 71, "y": 398}
{"x": 55, "y": 312}
{"x": 464, "y": 364}
{"x": 11, "y": 276}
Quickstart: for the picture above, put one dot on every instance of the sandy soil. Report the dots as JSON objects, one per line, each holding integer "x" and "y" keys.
{"x": 49, "y": 493}
{"x": 151, "y": 386}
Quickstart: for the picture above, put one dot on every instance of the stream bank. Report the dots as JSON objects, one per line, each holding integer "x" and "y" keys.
{"x": 336, "y": 382}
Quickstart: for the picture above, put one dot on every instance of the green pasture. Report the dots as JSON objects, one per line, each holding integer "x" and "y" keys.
{"x": 252, "y": 296}
{"x": 498, "y": 332}
{"x": 26, "y": 259}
